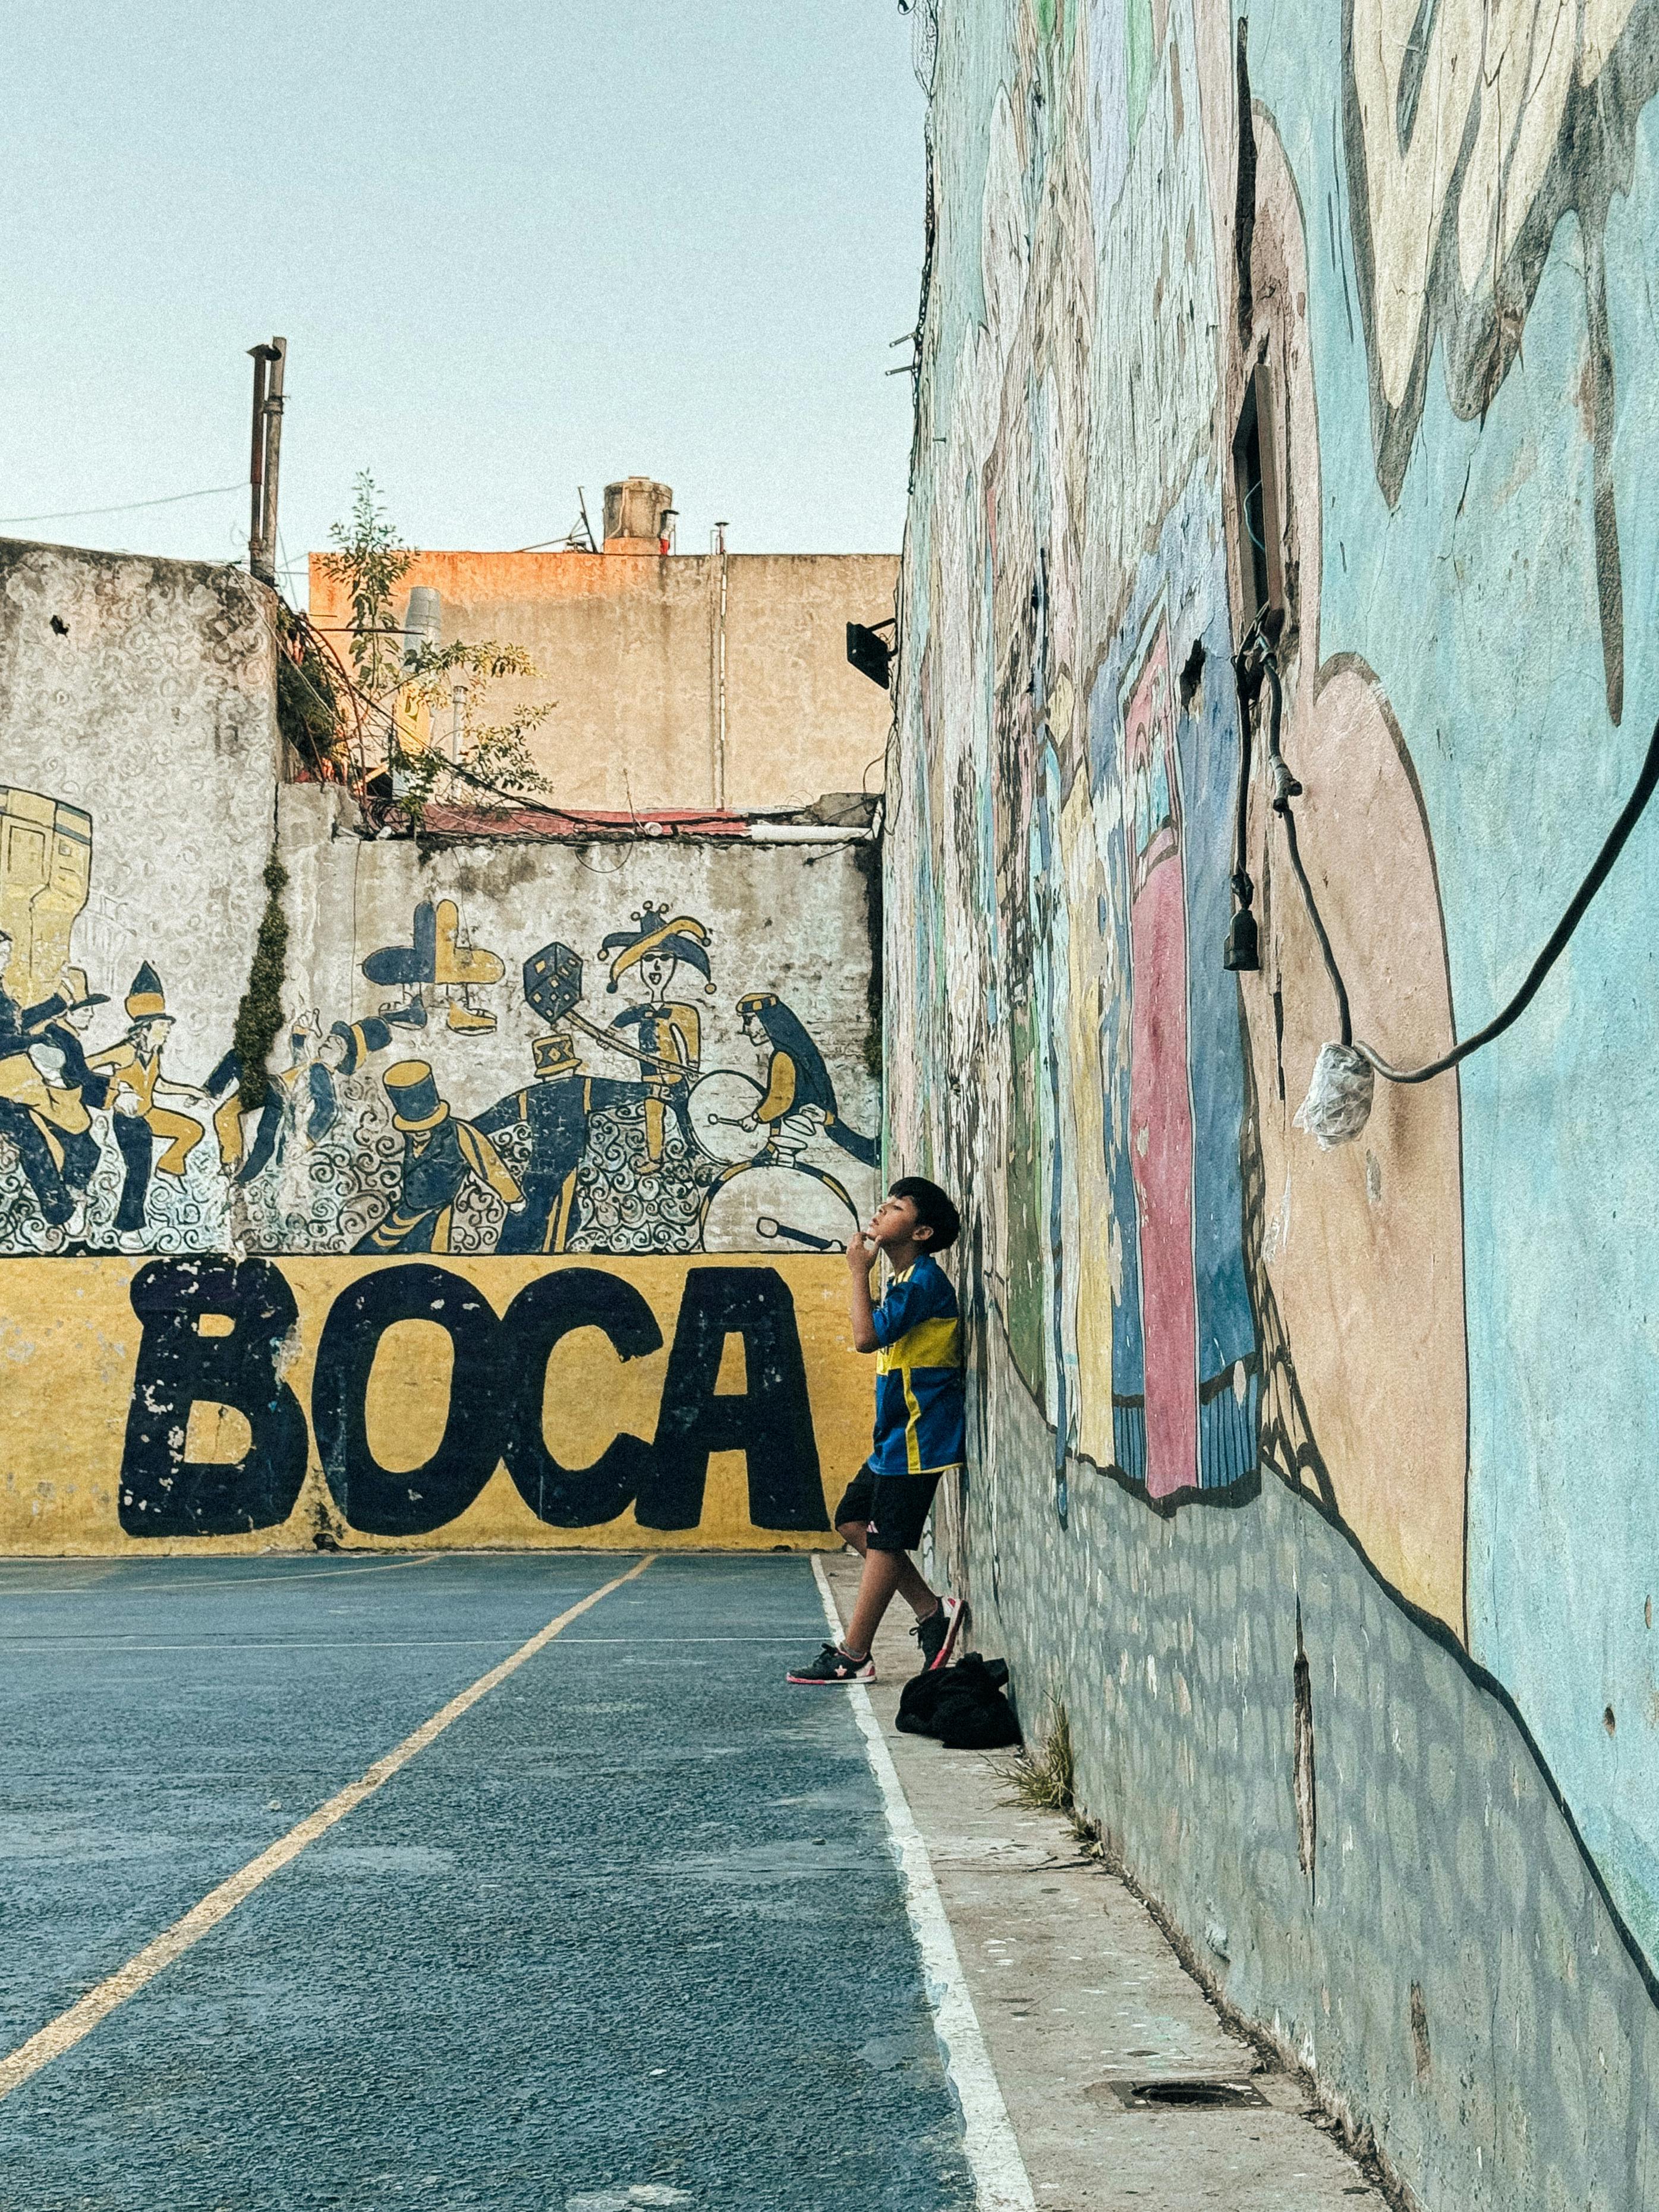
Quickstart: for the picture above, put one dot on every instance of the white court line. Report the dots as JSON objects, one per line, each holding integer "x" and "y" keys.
{"x": 1001, "y": 2181}
{"x": 62, "y": 2033}
{"x": 114, "y": 1646}
{"x": 289, "y": 1575}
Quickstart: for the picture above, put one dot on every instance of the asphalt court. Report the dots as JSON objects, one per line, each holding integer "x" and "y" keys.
{"x": 627, "y": 1930}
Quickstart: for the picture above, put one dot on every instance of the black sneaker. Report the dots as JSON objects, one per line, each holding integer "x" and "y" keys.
{"x": 937, "y": 1634}
{"x": 834, "y": 1665}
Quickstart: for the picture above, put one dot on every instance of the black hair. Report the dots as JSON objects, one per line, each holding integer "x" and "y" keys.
{"x": 934, "y": 1210}
{"x": 787, "y": 1033}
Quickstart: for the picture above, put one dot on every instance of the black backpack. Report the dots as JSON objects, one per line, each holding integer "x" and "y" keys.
{"x": 962, "y": 1705}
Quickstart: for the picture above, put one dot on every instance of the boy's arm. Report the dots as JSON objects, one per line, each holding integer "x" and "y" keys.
{"x": 860, "y": 1258}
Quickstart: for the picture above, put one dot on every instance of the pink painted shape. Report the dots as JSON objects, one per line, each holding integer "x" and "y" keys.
{"x": 1160, "y": 1110}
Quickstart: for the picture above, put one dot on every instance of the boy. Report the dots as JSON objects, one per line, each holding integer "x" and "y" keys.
{"x": 916, "y": 1336}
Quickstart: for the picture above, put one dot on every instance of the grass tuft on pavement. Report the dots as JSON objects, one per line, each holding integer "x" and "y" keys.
{"x": 1043, "y": 1774}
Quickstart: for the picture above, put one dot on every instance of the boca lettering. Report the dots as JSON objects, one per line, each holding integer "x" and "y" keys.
{"x": 770, "y": 1420}
{"x": 380, "y": 1502}
{"x": 542, "y": 1316}
{"x": 496, "y": 1402}
{"x": 180, "y": 1365}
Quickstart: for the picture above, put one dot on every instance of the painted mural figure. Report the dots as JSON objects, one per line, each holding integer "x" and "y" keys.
{"x": 66, "y": 1014}
{"x": 440, "y": 957}
{"x": 16, "y": 1022}
{"x": 45, "y": 1091}
{"x": 64, "y": 1123}
{"x": 136, "y": 1085}
{"x": 671, "y": 1032}
{"x": 799, "y": 1101}
{"x": 441, "y": 1155}
{"x": 555, "y": 1109}
{"x": 224, "y": 1083}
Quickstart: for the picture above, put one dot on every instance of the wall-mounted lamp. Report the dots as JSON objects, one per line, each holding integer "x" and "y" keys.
{"x": 1242, "y": 950}
{"x": 869, "y": 651}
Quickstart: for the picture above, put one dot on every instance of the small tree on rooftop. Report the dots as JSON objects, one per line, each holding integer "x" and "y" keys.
{"x": 492, "y": 757}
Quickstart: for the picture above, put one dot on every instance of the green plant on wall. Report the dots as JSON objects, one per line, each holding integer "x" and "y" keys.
{"x": 461, "y": 747}
{"x": 259, "y": 1016}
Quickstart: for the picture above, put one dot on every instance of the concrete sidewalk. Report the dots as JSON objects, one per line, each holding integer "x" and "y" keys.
{"x": 1078, "y": 1995}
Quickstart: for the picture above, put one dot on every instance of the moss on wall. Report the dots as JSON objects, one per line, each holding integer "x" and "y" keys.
{"x": 259, "y": 1016}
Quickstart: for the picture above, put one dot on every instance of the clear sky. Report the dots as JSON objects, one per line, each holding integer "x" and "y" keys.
{"x": 514, "y": 245}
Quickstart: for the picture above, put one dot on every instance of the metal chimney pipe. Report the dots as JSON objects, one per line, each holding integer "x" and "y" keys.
{"x": 279, "y": 357}
{"x": 256, "y": 468}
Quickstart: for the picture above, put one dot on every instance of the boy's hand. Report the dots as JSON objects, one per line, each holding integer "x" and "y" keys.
{"x": 861, "y": 1252}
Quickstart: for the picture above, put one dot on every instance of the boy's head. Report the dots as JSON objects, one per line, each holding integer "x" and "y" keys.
{"x": 916, "y": 1211}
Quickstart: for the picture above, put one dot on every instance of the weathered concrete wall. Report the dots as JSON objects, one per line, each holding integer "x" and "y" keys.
{"x": 625, "y": 645}
{"x": 496, "y": 1060}
{"x": 1379, "y": 1377}
{"x": 141, "y": 694}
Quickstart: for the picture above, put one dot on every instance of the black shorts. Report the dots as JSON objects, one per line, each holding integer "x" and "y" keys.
{"x": 892, "y": 1509}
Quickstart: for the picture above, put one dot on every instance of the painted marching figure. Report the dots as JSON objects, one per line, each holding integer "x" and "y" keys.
{"x": 66, "y": 1013}
{"x": 18, "y": 1024}
{"x": 47, "y": 1089}
{"x": 799, "y": 1102}
{"x": 555, "y": 1110}
{"x": 668, "y": 1029}
{"x": 275, "y": 1116}
{"x": 137, "y": 1084}
{"x": 441, "y": 1155}
{"x": 304, "y": 1098}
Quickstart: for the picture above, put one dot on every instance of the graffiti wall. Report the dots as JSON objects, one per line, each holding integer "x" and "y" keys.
{"x": 239, "y": 1405}
{"x": 522, "y": 1090}
{"x": 1271, "y": 624}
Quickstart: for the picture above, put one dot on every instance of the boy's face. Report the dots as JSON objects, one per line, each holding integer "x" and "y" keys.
{"x": 893, "y": 1222}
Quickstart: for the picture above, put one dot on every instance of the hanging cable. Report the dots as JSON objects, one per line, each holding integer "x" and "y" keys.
{"x": 1258, "y": 662}
{"x": 129, "y": 507}
{"x": 1601, "y": 868}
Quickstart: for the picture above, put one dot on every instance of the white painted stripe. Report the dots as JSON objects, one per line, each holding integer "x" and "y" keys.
{"x": 295, "y": 1577}
{"x": 114, "y": 1646}
{"x": 62, "y": 2033}
{"x": 1001, "y": 2181}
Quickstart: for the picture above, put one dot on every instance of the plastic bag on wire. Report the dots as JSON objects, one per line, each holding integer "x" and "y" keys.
{"x": 1339, "y": 1101}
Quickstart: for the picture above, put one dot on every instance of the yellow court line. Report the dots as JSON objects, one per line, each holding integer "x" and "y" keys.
{"x": 62, "y": 2033}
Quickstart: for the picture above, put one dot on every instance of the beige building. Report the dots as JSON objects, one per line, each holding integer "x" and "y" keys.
{"x": 678, "y": 680}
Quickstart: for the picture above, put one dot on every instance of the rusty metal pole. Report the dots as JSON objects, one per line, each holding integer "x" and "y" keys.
{"x": 256, "y": 467}
{"x": 278, "y": 355}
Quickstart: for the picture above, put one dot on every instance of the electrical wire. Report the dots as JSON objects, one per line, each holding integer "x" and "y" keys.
{"x": 1287, "y": 787}
{"x": 1601, "y": 868}
{"x": 132, "y": 506}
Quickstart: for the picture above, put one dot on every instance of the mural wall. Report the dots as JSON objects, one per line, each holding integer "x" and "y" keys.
{"x": 496, "y": 1063}
{"x": 1327, "y": 335}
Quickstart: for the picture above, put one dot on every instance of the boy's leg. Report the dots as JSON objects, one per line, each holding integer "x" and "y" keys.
{"x": 882, "y": 1574}
{"x": 898, "y": 1514}
{"x": 881, "y": 1521}
{"x": 917, "y": 1595}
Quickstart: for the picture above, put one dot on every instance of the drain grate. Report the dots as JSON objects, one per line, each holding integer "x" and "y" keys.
{"x": 1178, "y": 2093}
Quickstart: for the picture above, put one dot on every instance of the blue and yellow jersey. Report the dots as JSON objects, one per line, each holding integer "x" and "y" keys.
{"x": 918, "y": 1383}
